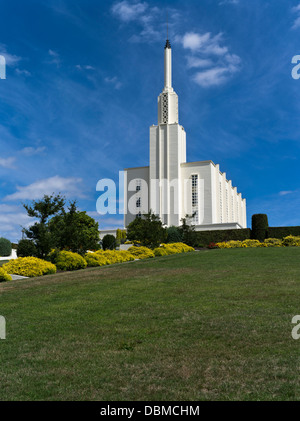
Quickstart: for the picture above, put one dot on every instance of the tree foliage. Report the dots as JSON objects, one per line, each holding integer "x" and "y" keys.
{"x": 74, "y": 230}
{"x": 188, "y": 232}
{"x": 39, "y": 232}
{"x": 148, "y": 230}
{"x": 60, "y": 228}
{"x": 109, "y": 242}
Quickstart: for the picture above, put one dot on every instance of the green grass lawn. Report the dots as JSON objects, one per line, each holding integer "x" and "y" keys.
{"x": 213, "y": 325}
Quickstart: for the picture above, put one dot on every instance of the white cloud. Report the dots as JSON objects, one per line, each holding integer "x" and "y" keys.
{"x": 84, "y": 67}
{"x": 11, "y": 59}
{"x": 296, "y": 10}
{"x": 286, "y": 192}
{"x": 55, "y": 58}
{"x": 204, "y": 43}
{"x": 23, "y": 72}
{"x": 30, "y": 151}
{"x": 12, "y": 218}
{"x": 209, "y": 52}
{"x": 7, "y": 162}
{"x": 127, "y": 12}
{"x": 198, "y": 62}
{"x": 114, "y": 82}
{"x": 67, "y": 186}
{"x": 194, "y": 41}
{"x": 229, "y": 2}
{"x": 211, "y": 77}
{"x": 147, "y": 17}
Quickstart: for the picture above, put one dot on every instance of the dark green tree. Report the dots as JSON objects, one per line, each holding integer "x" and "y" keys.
{"x": 147, "y": 229}
{"x": 74, "y": 230}
{"x": 174, "y": 235}
{"x": 39, "y": 233}
{"x": 26, "y": 248}
{"x": 187, "y": 231}
{"x": 109, "y": 242}
{"x": 260, "y": 227}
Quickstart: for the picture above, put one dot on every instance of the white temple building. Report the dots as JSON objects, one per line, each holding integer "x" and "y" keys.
{"x": 173, "y": 188}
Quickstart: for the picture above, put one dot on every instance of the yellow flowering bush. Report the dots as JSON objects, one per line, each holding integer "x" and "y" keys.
{"x": 229, "y": 244}
{"x": 291, "y": 241}
{"x": 160, "y": 251}
{"x": 115, "y": 256}
{"x": 95, "y": 259}
{"x": 29, "y": 266}
{"x": 272, "y": 242}
{"x": 172, "y": 248}
{"x": 4, "y": 276}
{"x": 141, "y": 252}
{"x": 251, "y": 243}
{"x": 66, "y": 260}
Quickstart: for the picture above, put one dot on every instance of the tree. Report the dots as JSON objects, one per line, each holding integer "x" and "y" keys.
{"x": 39, "y": 232}
{"x": 148, "y": 230}
{"x": 187, "y": 231}
{"x": 174, "y": 235}
{"x": 26, "y": 248}
{"x": 109, "y": 242}
{"x": 74, "y": 230}
{"x": 260, "y": 227}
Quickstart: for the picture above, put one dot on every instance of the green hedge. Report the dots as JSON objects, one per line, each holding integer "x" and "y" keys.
{"x": 5, "y": 247}
{"x": 281, "y": 232}
{"x": 260, "y": 227}
{"x": 204, "y": 238}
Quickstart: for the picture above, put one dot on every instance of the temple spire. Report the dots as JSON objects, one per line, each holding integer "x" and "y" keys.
{"x": 168, "y": 66}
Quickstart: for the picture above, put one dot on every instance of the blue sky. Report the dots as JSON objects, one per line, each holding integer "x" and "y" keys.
{"x": 81, "y": 91}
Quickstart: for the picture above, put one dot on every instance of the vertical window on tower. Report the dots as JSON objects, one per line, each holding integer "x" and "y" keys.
{"x": 165, "y": 108}
{"x": 195, "y": 198}
{"x": 221, "y": 204}
{"x": 138, "y": 202}
{"x": 227, "y": 206}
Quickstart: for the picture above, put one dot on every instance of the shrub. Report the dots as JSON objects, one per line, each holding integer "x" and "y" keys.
{"x": 5, "y": 247}
{"x": 272, "y": 242}
{"x": 239, "y": 244}
{"x": 95, "y": 259}
{"x": 160, "y": 251}
{"x": 251, "y": 243}
{"x": 66, "y": 260}
{"x": 30, "y": 267}
{"x": 116, "y": 256}
{"x": 174, "y": 235}
{"x": 109, "y": 242}
{"x": 141, "y": 252}
{"x": 174, "y": 248}
{"x": 121, "y": 236}
{"x": 260, "y": 227}
{"x": 281, "y": 232}
{"x": 4, "y": 276}
{"x": 291, "y": 241}
{"x": 220, "y": 236}
{"x": 26, "y": 248}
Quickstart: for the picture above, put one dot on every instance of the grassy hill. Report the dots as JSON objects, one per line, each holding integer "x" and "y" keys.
{"x": 202, "y": 326}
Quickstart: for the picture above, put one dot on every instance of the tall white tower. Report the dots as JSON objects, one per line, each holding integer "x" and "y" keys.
{"x": 167, "y": 153}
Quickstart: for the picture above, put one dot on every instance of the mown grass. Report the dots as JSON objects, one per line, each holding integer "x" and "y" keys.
{"x": 213, "y": 325}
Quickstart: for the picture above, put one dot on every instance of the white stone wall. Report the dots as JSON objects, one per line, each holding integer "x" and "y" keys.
{"x": 132, "y": 195}
{"x": 167, "y": 153}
